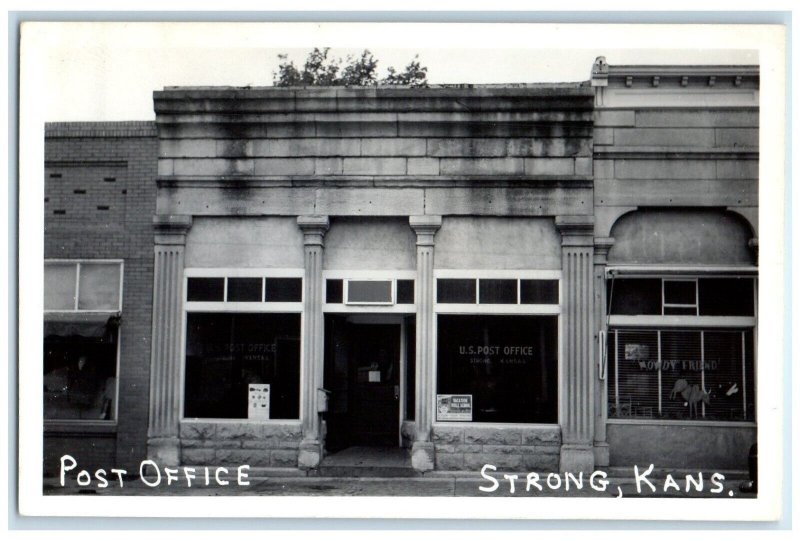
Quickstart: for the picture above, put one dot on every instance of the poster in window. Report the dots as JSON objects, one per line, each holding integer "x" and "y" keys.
{"x": 637, "y": 352}
{"x": 259, "y": 401}
{"x": 454, "y": 407}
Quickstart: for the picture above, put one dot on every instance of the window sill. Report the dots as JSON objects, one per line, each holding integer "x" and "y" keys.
{"x": 676, "y": 422}
{"x": 79, "y": 427}
{"x": 201, "y": 420}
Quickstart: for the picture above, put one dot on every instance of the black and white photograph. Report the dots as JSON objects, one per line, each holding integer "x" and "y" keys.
{"x": 309, "y": 270}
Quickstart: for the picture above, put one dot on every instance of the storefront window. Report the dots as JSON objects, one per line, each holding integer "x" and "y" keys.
{"x": 227, "y": 352}
{"x": 681, "y": 374}
{"x": 81, "y": 331}
{"x": 80, "y": 376}
{"x": 506, "y": 365}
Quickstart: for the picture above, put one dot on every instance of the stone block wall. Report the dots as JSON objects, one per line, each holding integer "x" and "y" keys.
{"x": 522, "y": 150}
{"x": 509, "y": 448}
{"x": 686, "y": 142}
{"x": 238, "y": 443}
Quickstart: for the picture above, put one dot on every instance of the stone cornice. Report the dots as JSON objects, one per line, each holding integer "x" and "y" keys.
{"x": 387, "y": 181}
{"x": 683, "y": 71}
{"x": 225, "y": 101}
{"x": 662, "y": 153}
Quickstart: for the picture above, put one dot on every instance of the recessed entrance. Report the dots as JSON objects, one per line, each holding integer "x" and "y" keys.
{"x": 364, "y": 362}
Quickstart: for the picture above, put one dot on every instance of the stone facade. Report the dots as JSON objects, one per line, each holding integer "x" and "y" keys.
{"x": 533, "y": 178}
{"x": 224, "y": 443}
{"x": 515, "y": 448}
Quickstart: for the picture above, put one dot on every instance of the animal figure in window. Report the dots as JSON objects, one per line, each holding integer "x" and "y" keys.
{"x": 692, "y": 395}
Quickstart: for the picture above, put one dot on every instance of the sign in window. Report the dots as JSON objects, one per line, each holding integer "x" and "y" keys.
{"x": 508, "y": 365}
{"x": 228, "y": 355}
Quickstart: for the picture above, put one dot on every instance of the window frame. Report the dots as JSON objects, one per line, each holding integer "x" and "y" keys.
{"x": 188, "y": 307}
{"x": 488, "y": 308}
{"x": 346, "y": 292}
{"x": 75, "y": 309}
{"x": 665, "y": 304}
{"x": 688, "y": 322}
{"x": 498, "y": 309}
{"x": 97, "y": 425}
{"x": 367, "y": 275}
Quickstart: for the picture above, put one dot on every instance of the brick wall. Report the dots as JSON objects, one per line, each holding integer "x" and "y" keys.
{"x": 99, "y": 201}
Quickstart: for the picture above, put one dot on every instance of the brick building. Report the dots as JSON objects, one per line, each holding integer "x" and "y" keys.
{"x": 99, "y": 203}
{"x": 541, "y": 277}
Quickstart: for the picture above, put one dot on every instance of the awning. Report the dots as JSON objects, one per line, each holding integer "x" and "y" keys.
{"x": 632, "y": 271}
{"x": 85, "y": 325}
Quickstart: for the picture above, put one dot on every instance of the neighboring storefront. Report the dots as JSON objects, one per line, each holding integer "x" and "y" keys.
{"x": 98, "y": 289}
{"x": 676, "y": 207}
{"x": 538, "y": 277}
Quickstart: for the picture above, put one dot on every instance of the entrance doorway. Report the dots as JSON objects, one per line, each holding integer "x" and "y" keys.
{"x": 363, "y": 374}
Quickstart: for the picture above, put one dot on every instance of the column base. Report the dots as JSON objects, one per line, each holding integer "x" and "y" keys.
{"x": 576, "y": 458}
{"x": 423, "y": 456}
{"x": 164, "y": 451}
{"x": 601, "y": 454}
{"x": 310, "y": 455}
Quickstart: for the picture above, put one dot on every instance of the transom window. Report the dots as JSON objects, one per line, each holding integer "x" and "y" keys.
{"x": 712, "y": 296}
{"x": 244, "y": 289}
{"x": 369, "y": 291}
{"x": 496, "y": 291}
{"x": 78, "y": 286}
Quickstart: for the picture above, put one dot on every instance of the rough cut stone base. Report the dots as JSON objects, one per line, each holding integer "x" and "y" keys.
{"x": 576, "y": 458}
{"x": 423, "y": 456}
{"x": 164, "y": 451}
{"x": 310, "y": 455}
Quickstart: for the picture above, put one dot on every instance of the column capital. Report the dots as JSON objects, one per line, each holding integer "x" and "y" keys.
{"x": 602, "y": 245}
{"x": 576, "y": 230}
{"x": 314, "y": 228}
{"x": 171, "y": 228}
{"x": 425, "y": 227}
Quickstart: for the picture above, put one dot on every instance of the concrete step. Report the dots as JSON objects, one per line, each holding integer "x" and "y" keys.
{"x": 367, "y": 471}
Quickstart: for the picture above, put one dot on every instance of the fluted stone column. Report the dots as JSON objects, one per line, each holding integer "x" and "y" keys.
{"x": 578, "y": 372}
{"x": 601, "y": 247}
{"x": 314, "y": 229}
{"x": 422, "y": 450}
{"x": 163, "y": 441}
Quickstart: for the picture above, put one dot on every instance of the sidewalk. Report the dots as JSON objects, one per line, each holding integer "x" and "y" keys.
{"x": 460, "y": 484}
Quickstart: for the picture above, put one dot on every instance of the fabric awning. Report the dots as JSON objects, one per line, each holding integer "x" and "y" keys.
{"x": 85, "y": 325}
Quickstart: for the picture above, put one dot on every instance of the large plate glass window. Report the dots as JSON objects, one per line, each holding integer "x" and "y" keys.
{"x": 681, "y": 374}
{"x": 507, "y": 363}
{"x": 226, "y": 352}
